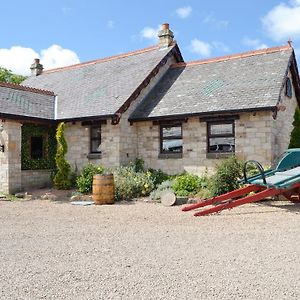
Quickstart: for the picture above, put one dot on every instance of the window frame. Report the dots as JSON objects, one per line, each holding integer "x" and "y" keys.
{"x": 228, "y": 135}
{"x": 95, "y": 138}
{"x": 288, "y": 88}
{"x": 162, "y": 138}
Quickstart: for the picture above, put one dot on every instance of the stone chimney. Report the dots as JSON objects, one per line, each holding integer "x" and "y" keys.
{"x": 36, "y": 68}
{"x": 165, "y": 36}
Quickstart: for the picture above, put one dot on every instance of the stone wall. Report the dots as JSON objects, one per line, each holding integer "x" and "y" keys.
{"x": 36, "y": 179}
{"x": 283, "y": 125}
{"x": 252, "y": 138}
{"x": 10, "y": 159}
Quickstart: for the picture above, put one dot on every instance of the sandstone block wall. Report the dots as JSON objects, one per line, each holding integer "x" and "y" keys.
{"x": 252, "y": 139}
{"x": 10, "y": 159}
{"x": 283, "y": 124}
{"x": 36, "y": 179}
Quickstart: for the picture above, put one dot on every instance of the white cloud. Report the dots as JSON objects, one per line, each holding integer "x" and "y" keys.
{"x": 212, "y": 21}
{"x": 56, "y": 56}
{"x": 200, "y": 47}
{"x": 254, "y": 43}
{"x": 19, "y": 59}
{"x": 283, "y": 21}
{"x": 150, "y": 33}
{"x": 205, "y": 49}
{"x": 184, "y": 12}
{"x": 110, "y": 24}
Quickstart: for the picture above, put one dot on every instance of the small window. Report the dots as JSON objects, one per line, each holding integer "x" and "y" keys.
{"x": 170, "y": 139}
{"x": 95, "y": 139}
{"x": 220, "y": 137}
{"x": 288, "y": 88}
{"x": 37, "y": 147}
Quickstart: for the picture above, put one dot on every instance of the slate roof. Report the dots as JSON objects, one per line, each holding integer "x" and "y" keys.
{"x": 100, "y": 87}
{"x": 248, "y": 81}
{"x": 26, "y": 101}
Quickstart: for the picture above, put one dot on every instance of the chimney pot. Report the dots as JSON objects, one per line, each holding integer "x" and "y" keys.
{"x": 166, "y": 36}
{"x": 36, "y": 68}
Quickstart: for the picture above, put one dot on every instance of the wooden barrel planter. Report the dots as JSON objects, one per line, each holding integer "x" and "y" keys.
{"x": 103, "y": 188}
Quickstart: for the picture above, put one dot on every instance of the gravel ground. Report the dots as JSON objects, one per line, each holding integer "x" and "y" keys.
{"x": 53, "y": 250}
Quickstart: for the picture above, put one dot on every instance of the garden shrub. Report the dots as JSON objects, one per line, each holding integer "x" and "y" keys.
{"x": 226, "y": 177}
{"x": 295, "y": 134}
{"x": 158, "y": 176}
{"x": 188, "y": 184}
{"x": 162, "y": 188}
{"x": 131, "y": 184}
{"x": 62, "y": 176}
{"x": 85, "y": 180}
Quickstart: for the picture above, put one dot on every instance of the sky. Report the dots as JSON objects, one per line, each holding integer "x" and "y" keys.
{"x": 64, "y": 32}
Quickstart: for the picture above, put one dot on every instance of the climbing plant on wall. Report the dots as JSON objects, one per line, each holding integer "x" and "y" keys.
{"x": 62, "y": 176}
{"x": 47, "y": 161}
{"x": 295, "y": 134}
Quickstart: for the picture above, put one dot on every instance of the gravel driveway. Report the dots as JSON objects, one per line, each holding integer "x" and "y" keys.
{"x": 136, "y": 250}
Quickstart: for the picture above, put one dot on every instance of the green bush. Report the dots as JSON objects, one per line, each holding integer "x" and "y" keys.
{"x": 226, "y": 177}
{"x": 295, "y": 134}
{"x": 85, "y": 180}
{"x": 163, "y": 187}
{"x": 138, "y": 165}
{"x": 188, "y": 184}
{"x": 158, "y": 176}
{"x": 62, "y": 176}
{"x": 131, "y": 184}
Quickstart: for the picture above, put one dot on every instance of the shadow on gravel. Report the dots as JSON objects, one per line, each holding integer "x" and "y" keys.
{"x": 288, "y": 206}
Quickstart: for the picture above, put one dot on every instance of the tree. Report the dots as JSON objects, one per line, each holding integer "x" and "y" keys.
{"x": 295, "y": 134}
{"x": 62, "y": 176}
{"x": 9, "y": 77}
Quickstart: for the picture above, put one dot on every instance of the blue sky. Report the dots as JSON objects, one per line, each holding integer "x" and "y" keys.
{"x": 63, "y": 32}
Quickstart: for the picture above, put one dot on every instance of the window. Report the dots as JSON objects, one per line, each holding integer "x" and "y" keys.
{"x": 37, "y": 147}
{"x": 220, "y": 137}
{"x": 95, "y": 139}
{"x": 288, "y": 88}
{"x": 170, "y": 139}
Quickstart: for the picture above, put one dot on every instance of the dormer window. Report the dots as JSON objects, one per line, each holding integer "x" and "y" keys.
{"x": 288, "y": 88}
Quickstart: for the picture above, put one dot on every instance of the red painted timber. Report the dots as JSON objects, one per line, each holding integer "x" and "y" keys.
{"x": 227, "y": 196}
{"x": 248, "y": 199}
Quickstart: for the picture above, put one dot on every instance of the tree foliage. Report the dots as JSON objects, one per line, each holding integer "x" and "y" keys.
{"x": 62, "y": 176}
{"x": 295, "y": 134}
{"x": 9, "y": 77}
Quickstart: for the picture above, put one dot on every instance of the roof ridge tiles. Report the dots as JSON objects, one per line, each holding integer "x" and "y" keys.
{"x": 26, "y": 88}
{"x": 105, "y": 59}
{"x": 232, "y": 56}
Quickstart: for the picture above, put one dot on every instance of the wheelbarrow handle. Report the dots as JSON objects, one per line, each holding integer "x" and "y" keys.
{"x": 258, "y": 166}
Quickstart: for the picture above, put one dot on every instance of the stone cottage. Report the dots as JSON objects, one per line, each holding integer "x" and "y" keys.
{"x": 150, "y": 104}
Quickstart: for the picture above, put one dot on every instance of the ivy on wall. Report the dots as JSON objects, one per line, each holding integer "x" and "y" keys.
{"x": 49, "y": 145}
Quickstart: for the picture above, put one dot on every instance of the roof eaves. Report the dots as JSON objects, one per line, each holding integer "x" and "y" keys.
{"x": 26, "y": 118}
{"x": 198, "y": 114}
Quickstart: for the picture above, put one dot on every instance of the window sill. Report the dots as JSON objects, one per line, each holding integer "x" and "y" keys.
{"x": 94, "y": 155}
{"x": 219, "y": 155}
{"x": 169, "y": 155}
